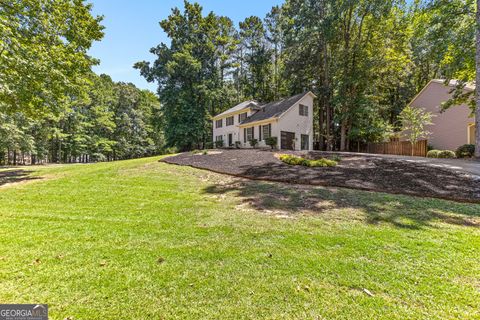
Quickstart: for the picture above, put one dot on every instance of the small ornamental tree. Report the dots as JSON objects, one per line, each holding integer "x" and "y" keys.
{"x": 272, "y": 142}
{"x": 414, "y": 121}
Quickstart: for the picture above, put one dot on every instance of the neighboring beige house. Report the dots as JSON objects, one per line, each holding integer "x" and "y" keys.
{"x": 290, "y": 120}
{"x": 453, "y": 127}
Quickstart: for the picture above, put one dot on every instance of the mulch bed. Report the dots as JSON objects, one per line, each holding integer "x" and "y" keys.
{"x": 354, "y": 171}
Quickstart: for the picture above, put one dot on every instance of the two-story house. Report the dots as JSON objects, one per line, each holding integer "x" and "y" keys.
{"x": 290, "y": 120}
{"x": 450, "y": 128}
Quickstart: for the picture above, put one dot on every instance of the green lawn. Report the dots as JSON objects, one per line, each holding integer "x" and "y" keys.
{"x": 141, "y": 239}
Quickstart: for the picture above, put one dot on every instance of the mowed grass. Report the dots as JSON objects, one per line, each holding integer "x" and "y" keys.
{"x": 141, "y": 239}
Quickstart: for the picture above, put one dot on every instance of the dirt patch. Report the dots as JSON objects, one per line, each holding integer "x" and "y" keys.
{"x": 358, "y": 172}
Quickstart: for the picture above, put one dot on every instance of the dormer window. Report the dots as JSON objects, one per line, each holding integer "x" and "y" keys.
{"x": 242, "y": 116}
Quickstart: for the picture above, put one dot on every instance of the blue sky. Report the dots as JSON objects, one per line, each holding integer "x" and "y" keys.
{"x": 132, "y": 29}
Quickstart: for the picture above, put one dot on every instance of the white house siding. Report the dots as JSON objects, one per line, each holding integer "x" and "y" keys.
{"x": 292, "y": 121}
{"x": 225, "y": 130}
{"x": 261, "y": 143}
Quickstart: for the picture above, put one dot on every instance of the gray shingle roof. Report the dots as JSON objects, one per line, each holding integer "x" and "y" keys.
{"x": 274, "y": 109}
{"x": 239, "y": 107}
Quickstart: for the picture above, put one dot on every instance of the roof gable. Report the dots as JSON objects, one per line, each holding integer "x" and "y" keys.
{"x": 275, "y": 109}
{"x": 452, "y": 84}
{"x": 239, "y": 107}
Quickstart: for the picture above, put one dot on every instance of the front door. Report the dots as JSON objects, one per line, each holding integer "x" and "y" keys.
{"x": 230, "y": 139}
{"x": 287, "y": 140}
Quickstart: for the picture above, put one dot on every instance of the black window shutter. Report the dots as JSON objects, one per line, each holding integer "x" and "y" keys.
{"x": 269, "y": 129}
{"x": 259, "y": 133}
{"x": 244, "y": 135}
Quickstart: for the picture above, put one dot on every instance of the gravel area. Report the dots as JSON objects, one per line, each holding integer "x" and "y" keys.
{"x": 366, "y": 172}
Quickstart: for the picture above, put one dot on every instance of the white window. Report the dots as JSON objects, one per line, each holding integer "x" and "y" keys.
{"x": 267, "y": 131}
{"x": 219, "y": 123}
{"x": 247, "y": 134}
{"x": 229, "y": 121}
{"x": 219, "y": 138}
{"x": 303, "y": 110}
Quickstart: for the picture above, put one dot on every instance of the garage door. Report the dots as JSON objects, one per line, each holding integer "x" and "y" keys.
{"x": 287, "y": 140}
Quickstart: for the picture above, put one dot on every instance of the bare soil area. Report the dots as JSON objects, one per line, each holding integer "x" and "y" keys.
{"x": 366, "y": 172}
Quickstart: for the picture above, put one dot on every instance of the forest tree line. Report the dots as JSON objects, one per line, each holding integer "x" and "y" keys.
{"x": 363, "y": 59}
{"x": 53, "y": 108}
{"x": 115, "y": 121}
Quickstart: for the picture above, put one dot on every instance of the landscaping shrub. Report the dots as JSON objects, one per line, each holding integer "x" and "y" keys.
{"x": 336, "y": 158}
{"x": 440, "y": 154}
{"x": 209, "y": 145}
{"x": 433, "y": 153}
{"x": 238, "y": 144}
{"x": 446, "y": 154}
{"x": 253, "y": 142}
{"x": 466, "y": 151}
{"x": 271, "y": 141}
{"x": 219, "y": 144}
{"x": 321, "y": 163}
{"x": 170, "y": 150}
{"x": 299, "y": 161}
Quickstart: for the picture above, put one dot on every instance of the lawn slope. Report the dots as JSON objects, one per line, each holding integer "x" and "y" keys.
{"x": 141, "y": 239}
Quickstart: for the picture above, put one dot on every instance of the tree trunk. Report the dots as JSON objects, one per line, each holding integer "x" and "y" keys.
{"x": 321, "y": 122}
{"x": 343, "y": 135}
{"x": 477, "y": 85}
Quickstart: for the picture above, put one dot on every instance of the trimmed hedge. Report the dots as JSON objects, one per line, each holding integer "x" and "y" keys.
{"x": 465, "y": 151}
{"x": 445, "y": 154}
{"x": 299, "y": 161}
{"x": 433, "y": 153}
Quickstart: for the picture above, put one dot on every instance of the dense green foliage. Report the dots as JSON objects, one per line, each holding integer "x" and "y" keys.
{"x": 271, "y": 141}
{"x": 43, "y": 53}
{"x": 445, "y": 154}
{"x": 52, "y": 107}
{"x": 295, "y": 160}
{"x": 173, "y": 242}
{"x": 465, "y": 151}
{"x": 365, "y": 60}
{"x": 115, "y": 121}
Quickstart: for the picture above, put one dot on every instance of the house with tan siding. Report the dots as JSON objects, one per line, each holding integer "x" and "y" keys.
{"x": 451, "y": 128}
{"x": 290, "y": 120}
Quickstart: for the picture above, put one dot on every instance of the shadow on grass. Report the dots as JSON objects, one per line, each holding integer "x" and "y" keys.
{"x": 15, "y": 176}
{"x": 338, "y": 203}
